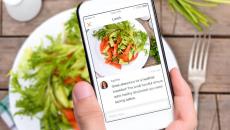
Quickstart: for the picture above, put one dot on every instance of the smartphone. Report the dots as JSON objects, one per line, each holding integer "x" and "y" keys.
{"x": 127, "y": 64}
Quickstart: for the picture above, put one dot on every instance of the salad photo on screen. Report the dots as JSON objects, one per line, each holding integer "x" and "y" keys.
{"x": 123, "y": 46}
{"x": 121, "y": 43}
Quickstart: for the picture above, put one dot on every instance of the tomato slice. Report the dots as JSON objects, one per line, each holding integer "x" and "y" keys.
{"x": 126, "y": 52}
{"x": 124, "y": 57}
{"x": 119, "y": 39}
{"x": 69, "y": 114}
{"x": 104, "y": 43}
{"x": 78, "y": 79}
{"x": 69, "y": 81}
{"x": 134, "y": 57}
{"x": 110, "y": 53}
{"x": 116, "y": 65}
{"x": 115, "y": 50}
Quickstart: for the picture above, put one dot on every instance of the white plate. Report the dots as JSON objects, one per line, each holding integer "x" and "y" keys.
{"x": 103, "y": 69}
{"x": 53, "y": 27}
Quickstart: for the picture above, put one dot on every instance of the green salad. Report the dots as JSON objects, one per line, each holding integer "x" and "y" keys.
{"x": 52, "y": 72}
{"x": 120, "y": 43}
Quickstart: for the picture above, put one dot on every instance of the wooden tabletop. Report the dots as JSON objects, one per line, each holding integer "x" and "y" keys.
{"x": 214, "y": 113}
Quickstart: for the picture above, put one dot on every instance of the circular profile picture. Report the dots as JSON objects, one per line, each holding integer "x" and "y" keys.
{"x": 104, "y": 85}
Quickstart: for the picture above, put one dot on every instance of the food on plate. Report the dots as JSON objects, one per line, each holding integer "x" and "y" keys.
{"x": 121, "y": 43}
{"x": 45, "y": 78}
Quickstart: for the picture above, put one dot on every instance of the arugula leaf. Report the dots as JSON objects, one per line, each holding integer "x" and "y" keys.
{"x": 140, "y": 39}
{"x": 154, "y": 50}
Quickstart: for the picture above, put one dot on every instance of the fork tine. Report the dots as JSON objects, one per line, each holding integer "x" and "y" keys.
{"x": 201, "y": 58}
{"x": 206, "y": 53}
{"x": 192, "y": 52}
{"x": 197, "y": 51}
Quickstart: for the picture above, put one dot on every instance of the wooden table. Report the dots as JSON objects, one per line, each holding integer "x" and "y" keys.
{"x": 214, "y": 113}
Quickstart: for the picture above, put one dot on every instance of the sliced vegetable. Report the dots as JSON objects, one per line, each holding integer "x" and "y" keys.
{"x": 120, "y": 43}
{"x": 104, "y": 44}
{"x": 69, "y": 114}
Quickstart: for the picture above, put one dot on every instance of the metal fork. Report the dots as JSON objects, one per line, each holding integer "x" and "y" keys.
{"x": 198, "y": 64}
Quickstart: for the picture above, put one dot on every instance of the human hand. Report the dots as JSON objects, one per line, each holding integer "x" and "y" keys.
{"x": 90, "y": 117}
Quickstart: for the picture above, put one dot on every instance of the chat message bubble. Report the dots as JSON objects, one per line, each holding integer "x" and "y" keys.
{"x": 133, "y": 93}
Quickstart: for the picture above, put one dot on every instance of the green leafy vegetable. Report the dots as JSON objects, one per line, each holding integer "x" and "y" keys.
{"x": 127, "y": 32}
{"x": 72, "y": 30}
{"x": 154, "y": 50}
{"x": 49, "y": 74}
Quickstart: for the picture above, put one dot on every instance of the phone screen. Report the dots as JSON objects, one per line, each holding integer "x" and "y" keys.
{"x": 126, "y": 62}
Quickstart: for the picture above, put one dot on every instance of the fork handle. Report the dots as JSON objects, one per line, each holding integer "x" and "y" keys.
{"x": 196, "y": 101}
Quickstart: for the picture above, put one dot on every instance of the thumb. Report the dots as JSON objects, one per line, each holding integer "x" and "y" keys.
{"x": 185, "y": 115}
{"x": 86, "y": 108}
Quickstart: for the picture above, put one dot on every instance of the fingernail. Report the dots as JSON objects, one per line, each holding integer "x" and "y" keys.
{"x": 82, "y": 90}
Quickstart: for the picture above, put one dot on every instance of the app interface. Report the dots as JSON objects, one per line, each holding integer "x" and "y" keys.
{"x": 126, "y": 62}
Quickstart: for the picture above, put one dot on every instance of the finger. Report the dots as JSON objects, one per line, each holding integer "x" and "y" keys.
{"x": 180, "y": 87}
{"x": 87, "y": 110}
{"x": 183, "y": 97}
{"x": 184, "y": 110}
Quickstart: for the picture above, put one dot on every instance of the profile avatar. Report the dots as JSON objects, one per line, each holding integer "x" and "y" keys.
{"x": 104, "y": 85}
